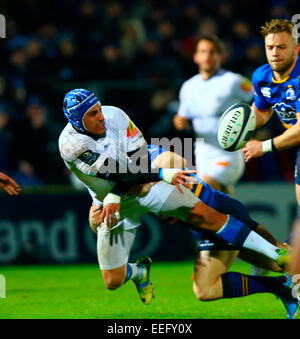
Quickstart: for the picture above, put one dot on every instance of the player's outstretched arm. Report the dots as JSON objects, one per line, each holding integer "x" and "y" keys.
{"x": 256, "y": 148}
{"x": 9, "y": 185}
{"x": 288, "y": 139}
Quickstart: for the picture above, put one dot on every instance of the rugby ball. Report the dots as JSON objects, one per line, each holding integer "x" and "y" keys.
{"x": 236, "y": 127}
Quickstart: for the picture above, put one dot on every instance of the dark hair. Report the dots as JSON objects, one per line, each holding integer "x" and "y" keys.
{"x": 214, "y": 39}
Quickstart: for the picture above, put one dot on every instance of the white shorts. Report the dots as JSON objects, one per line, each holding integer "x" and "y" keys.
{"x": 225, "y": 167}
{"x": 114, "y": 245}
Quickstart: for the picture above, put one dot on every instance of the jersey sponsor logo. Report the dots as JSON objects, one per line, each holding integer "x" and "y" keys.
{"x": 266, "y": 92}
{"x": 290, "y": 93}
{"x": 284, "y": 111}
{"x": 132, "y": 130}
{"x": 89, "y": 157}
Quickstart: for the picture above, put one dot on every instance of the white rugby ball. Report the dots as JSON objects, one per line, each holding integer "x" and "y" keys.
{"x": 236, "y": 127}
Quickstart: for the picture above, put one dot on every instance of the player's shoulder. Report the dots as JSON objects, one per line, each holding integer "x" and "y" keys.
{"x": 111, "y": 111}
{"x": 262, "y": 73}
{"x": 72, "y": 143}
{"x": 229, "y": 76}
{"x": 191, "y": 82}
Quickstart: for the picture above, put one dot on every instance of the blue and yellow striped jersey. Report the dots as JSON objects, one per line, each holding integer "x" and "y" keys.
{"x": 283, "y": 96}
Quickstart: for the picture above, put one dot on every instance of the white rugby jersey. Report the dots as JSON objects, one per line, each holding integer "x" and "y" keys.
{"x": 204, "y": 101}
{"x": 84, "y": 155}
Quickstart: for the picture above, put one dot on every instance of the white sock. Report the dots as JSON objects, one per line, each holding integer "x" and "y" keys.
{"x": 258, "y": 244}
{"x": 138, "y": 271}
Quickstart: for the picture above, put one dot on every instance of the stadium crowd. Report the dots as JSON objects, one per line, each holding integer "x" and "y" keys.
{"x": 51, "y": 47}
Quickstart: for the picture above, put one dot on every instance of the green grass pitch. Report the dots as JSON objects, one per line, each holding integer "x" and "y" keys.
{"x": 77, "y": 291}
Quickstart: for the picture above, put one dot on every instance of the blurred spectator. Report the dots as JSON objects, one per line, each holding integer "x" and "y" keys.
{"x": 111, "y": 65}
{"x": 133, "y": 37}
{"x": 5, "y": 138}
{"x": 30, "y": 146}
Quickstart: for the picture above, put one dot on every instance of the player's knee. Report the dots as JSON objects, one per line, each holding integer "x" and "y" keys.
{"x": 203, "y": 293}
{"x": 112, "y": 282}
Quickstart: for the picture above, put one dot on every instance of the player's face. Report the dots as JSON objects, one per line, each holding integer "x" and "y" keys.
{"x": 94, "y": 120}
{"x": 207, "y": 56}
{"x": 280, "y": 51}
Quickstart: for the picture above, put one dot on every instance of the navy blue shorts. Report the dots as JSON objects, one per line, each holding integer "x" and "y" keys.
{"x": 208, "y": 241}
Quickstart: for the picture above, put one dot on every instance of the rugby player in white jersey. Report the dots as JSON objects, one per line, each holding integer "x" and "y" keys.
{"x": 99, "y": 145}
{"x": 203, "y": 99}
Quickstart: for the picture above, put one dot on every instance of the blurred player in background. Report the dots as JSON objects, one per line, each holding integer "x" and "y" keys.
{"x": 276, "y": 87}
{"x": 203, "y": 99}
{"x": 100, "y": 145}
{"x": 9, "y": 185}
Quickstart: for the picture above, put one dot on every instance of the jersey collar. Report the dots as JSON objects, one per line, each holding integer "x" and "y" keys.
{"x": 294, "y": 73}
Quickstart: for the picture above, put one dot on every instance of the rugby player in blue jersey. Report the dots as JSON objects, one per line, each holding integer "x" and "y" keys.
{"x": 276, "y": 86}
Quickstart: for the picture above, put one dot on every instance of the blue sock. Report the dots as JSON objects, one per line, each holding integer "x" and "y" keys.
{"x": 222, "y": 202}
{"x": 135, "y": 272}
{"x": 234, "y": 232}
{"x": 240, "y": 285}
{"x": 129, "y": 273}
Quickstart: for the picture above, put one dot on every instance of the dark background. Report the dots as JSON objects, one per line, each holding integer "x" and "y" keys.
{"x": 133, "y": 54}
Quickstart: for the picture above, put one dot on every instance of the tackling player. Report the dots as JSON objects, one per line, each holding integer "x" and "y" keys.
{"x": 99, "y": 145}
{"x": 214, "y": 258}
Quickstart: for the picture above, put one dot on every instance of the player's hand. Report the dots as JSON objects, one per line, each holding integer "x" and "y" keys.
{"x": 95, "y": 217}
{"x": 180, "y": 123}
{"x": 182, "y": 177}
{"x": 9, "y": 185}
{"x": 111, "y": 214}
{"x": 253, "y": 149}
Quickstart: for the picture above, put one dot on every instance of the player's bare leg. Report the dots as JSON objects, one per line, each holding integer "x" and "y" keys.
{"x": 208, "y": 268}
{"x": 114, "y": 278}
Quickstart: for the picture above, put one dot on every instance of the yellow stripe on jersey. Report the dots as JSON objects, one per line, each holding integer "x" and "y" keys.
{"x": 280, "y": 81}
{"x": 198, "y": 190}
{"x": 286, "y": 125}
